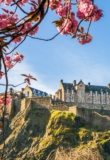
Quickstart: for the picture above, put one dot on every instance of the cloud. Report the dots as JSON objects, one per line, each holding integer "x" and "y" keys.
{"x": 15, "y": 78}
{"x": 81, "y": 66}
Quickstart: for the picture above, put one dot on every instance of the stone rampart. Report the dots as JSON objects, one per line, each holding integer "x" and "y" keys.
{"x": 45, "y": 101}
{"x": 93, "y": 106}
{"x": 99, "y": 118}
{"x": 33, "y": 104}
{"x": 59, "y": 107}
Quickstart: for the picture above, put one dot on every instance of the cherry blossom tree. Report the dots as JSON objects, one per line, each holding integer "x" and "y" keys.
{"x": 20, "y": 19}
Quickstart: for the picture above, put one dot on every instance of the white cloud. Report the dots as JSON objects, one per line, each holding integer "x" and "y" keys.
{"x": 15, "y": 78}
{"x": 83, "y": 67}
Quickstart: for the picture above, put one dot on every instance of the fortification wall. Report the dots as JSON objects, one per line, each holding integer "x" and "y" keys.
{"x": 32, "y": 104}
{"x": 96, "y": 117}
{"x": 44, "y": 101}
{"x": 59, "y": 107}
{"x": 93, "y": 106}
{"x": 24, "y": 103}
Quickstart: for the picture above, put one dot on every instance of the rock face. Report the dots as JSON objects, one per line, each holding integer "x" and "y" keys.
{"x": 40, "y": 134}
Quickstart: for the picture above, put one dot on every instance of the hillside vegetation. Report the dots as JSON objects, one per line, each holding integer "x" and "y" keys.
{"x": 43, "y": 135}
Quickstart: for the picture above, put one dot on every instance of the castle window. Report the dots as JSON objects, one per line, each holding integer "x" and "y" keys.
{"x": 27, "y": 94}
{"x": 72, "y": 91}
{"x": 67, "y": 91}
{"x": 88, "y": 100}
{"x": 81, "y": 93}
{"x": 34, "y": 92}
{"x": 107, "y": 94}
{"x": 43, "y": 94}
{"x": 90, "y": 93}
{"x": 39, "y": 94}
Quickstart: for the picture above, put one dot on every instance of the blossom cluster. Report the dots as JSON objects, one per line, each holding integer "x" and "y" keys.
{"x": 9, "y": 62}
{"x": 7, "y": 19}
{"x": 68, "y": 23}
{"x": 88, "y": 11}
{"x": 8, "y": 2}
{"x": 22, "y": 30}
{"x": 84, "y": 38}
{"x": 68, "y": 26}
{"x": 8, "y": 100}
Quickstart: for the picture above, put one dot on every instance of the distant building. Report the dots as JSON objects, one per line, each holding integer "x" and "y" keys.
{"x": 26, "y": 92}
{"x": 82, "y": 93}
{"x": 32, "y": 92}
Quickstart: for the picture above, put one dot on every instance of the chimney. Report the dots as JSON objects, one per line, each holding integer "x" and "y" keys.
{"x": 54, "y": 97}
{"x": 11, "y": 91}
{"x": 61, "y": 81}
{"x": 89, "y": 84}
{"x": 22, "y": 89}
{"x": 74, "y": 83}
{"x": 109, "y": 85}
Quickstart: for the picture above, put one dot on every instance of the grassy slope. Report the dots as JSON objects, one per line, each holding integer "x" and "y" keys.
{"x": 35, "y": 135}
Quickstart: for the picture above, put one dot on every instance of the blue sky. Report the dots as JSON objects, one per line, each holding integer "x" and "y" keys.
{"x": 64, "y": 58}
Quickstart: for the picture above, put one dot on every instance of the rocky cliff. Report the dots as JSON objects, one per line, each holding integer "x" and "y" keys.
{"x": 40, "y": 134}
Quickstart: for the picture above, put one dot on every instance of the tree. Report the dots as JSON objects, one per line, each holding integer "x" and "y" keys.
{"x": 21, "y": 19}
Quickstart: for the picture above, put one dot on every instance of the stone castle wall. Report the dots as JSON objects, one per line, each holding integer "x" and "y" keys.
{"x": 22, "y": 104}
{"x": 95, "y": 115}
{"x": 99, "y": 118}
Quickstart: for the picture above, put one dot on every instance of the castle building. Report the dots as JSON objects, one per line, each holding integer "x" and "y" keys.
{"x": 32, "y": 92}
{"x": 83, "y": 93}
{"x": 28, "y": 92}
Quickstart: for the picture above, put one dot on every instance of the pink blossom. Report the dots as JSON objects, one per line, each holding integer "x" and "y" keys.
{"x": 7, "y": 2}
{"x": 9, "y": 64}
{"x": 69, "y": 26}
{"x": 8, "y": 100}
{"x": 17, "y": 40}
{"x": 54, "y": 3}
{"x": 34, "y": 31}
{"x": 7, "y": 58}
{"x": 18, "y": 57}
{"x": 88, "y": 11}
{"x": 62, "y": 10}
{"x": 85, "y": 39}
{"x": 80, "y": 15}
{"x": 97, "y": 14}
{"x": 7, "y": 19}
